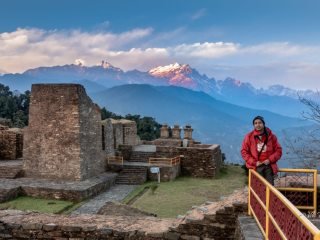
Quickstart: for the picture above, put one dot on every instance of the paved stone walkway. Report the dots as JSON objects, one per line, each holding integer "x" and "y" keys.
{"x": 115, "y": 193}
{"x": 249, "y": 228}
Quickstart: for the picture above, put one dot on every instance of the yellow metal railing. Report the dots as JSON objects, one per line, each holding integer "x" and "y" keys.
{"x": 275, "y": 215}
{"x": 299, "y": 184}
{"x": 164, "y": 161}
{"x": 115, "y": 160}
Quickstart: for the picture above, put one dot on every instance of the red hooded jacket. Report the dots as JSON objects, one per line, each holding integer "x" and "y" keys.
{"x": 249, "y": 150}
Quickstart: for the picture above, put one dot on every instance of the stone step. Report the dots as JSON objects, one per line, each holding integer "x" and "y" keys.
{"x": 133, "y": 171}
{"x": 137, "y": 156}
{"x": 10, "y": 171}
{"x": 132, "y": 175}
{"x": 131, "y": 180}
{"x": 128, "y": 175}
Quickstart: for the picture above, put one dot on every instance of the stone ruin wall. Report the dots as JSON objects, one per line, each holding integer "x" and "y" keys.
{"x": 92, "y": 157}
{"x": 11, "y": 143}
{"x": 109, "y": 137}
{"x": 197, "y": 162}
{"x": 130, "y": 134}
{"x": 118, "y": 134}
{"x": 63, "y": 139}
{"x": 217, "y": 220}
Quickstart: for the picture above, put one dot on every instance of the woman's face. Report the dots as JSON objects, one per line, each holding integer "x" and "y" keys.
{"x": 258, "y": 125}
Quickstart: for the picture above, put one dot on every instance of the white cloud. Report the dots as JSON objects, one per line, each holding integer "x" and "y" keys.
{"x": 30, "y": 48}
{"x": 206, "y": 50}
{"x": 280, "y": 49}
{"x": 198, "y": 14}
{"x": 262, "y": 64}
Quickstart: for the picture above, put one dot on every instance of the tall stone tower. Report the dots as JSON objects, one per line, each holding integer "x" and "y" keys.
{"x": 64, "y": 136}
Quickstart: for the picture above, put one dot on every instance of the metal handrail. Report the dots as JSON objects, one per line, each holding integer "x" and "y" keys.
{"x": 269, "y": 218}
{"x": 165, "y": 161}
{"x": 312, "y": 189}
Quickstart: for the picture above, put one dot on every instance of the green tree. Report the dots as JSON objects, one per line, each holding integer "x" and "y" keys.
{"x": 14, "y": 107}
{"x": 107, "y": 114}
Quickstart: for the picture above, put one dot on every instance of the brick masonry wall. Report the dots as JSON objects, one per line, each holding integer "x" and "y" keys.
{"x": 63, "y": 139}
{"x": 8, "y": 146}
{"x": 168, "y": 142}
{"x": 130, "y": 133}
{"x": 197, "y": 162}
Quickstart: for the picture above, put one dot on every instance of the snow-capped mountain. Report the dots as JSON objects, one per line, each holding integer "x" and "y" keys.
{"x": 105, "y": 75}
{"x": 109, "y": 66}
{"x": 184, "y": 76}
{"x": 279, "y": 90}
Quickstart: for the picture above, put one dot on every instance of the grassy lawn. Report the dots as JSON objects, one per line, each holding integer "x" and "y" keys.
{"x": 176, "y": 197}
{"x": 37, "y": 204}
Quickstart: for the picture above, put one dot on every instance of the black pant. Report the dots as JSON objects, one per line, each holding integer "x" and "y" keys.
{"x": 266, "y": 172}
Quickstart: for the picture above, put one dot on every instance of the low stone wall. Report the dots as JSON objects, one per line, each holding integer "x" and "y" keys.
{"x": 166, "y": 173}
{"x": 22, "y": 225}
{"x": 210, "y": 221}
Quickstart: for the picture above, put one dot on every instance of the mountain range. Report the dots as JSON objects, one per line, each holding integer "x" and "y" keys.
{"x": 104, "y": 75}
{"x": 220, "y": 111}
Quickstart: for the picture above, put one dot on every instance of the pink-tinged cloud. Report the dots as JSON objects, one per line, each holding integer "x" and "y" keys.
{"x": 261, "y": 64}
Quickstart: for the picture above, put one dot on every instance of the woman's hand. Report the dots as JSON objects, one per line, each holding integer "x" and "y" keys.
{"x": 266, "y": 162}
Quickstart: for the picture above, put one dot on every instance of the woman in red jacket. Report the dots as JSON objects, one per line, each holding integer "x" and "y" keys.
{"x": 261, "y": 150}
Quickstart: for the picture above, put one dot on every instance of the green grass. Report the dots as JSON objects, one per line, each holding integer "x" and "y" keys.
{"x": 176, "y": 197}
{"x": 37, "y": 204}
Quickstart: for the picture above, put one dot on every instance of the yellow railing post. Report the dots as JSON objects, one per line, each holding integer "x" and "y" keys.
{"x": 249, "y": 192}
{"x": 267, "y": 211}
{"x": 315, "y": 175}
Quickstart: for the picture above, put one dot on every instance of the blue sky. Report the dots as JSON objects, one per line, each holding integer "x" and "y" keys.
{"x": 256, "y": 41}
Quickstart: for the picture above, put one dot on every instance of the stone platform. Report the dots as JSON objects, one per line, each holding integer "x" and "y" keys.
{"x": 54, "y": 189}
